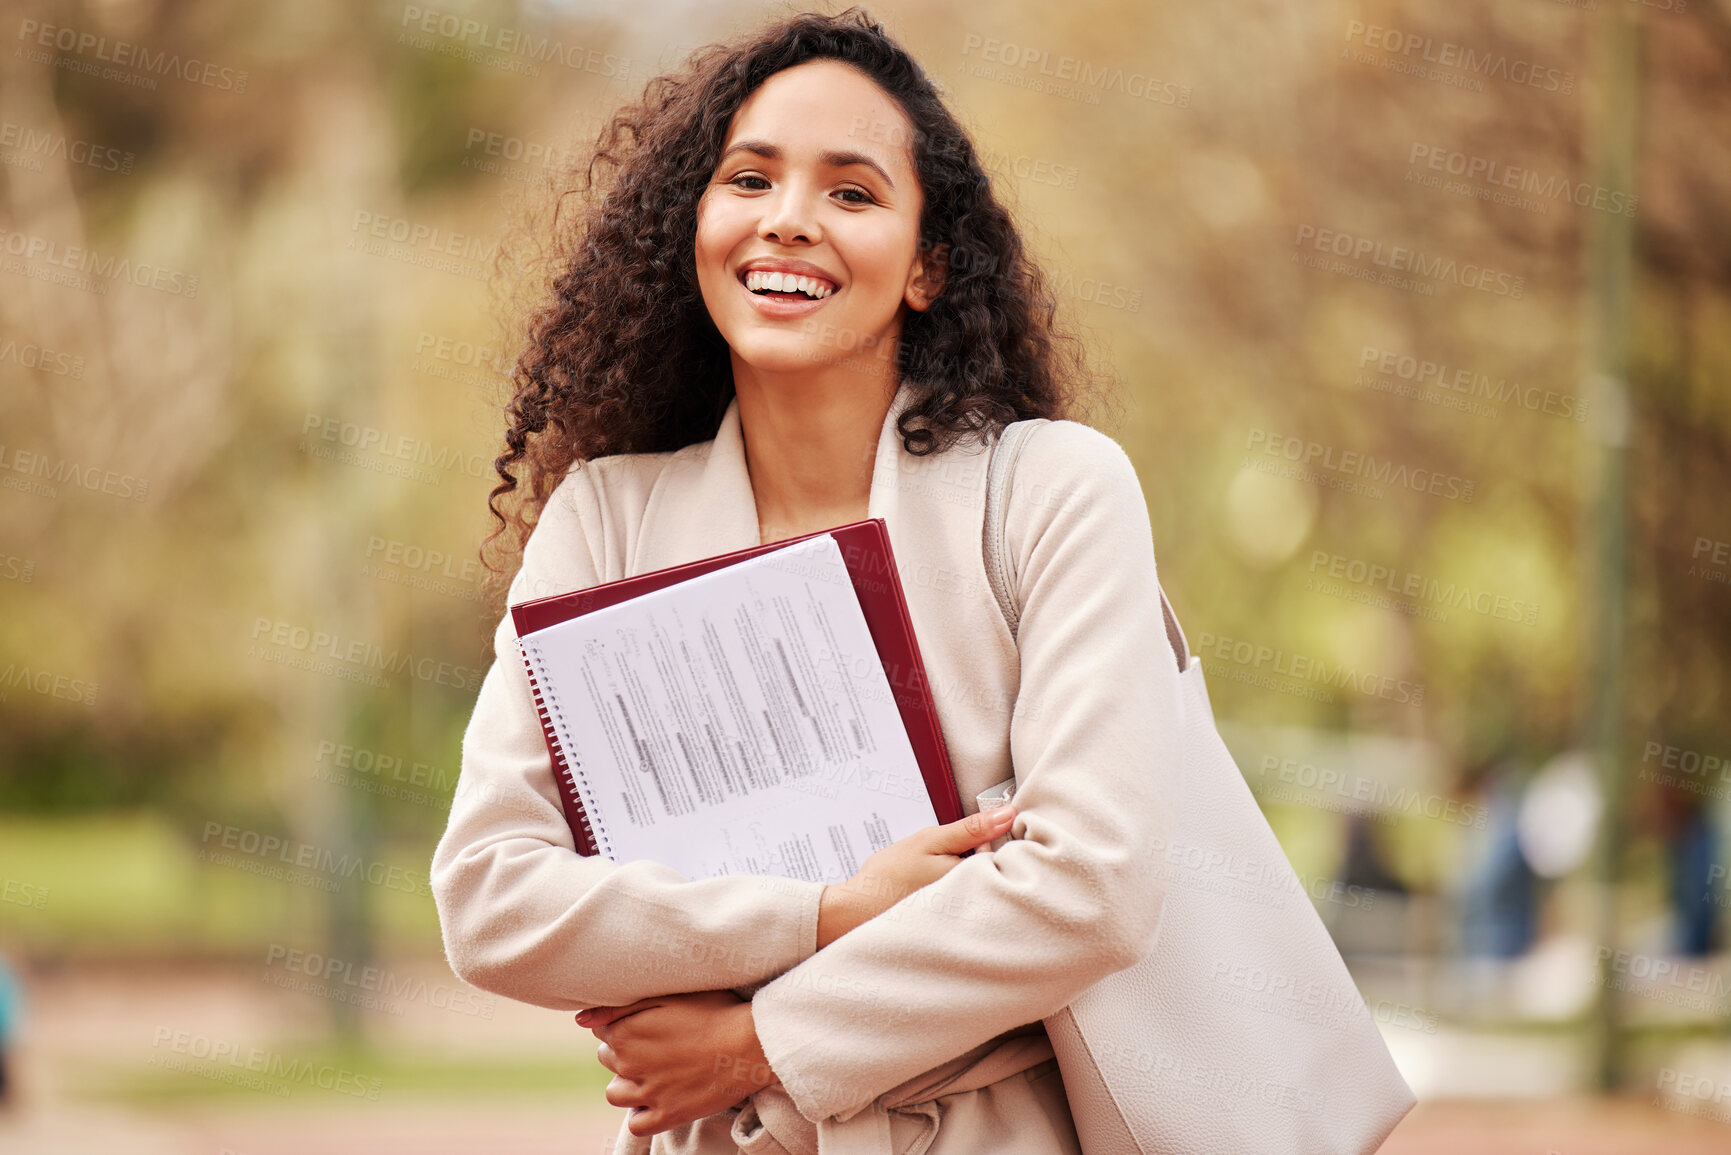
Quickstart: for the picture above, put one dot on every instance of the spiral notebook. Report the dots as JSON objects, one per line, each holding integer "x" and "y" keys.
{"x": 764, "y": 711}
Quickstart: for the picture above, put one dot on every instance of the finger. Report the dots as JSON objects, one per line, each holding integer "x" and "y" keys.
{"x": 971, "y": 831}
{"x": 611, "y": 1015}
{"x": 606, "y": 1056}
{"x": 597, "y": 1016}
{"x": 622, "y": 1092}
{"x": 592, "y": 1015}
{"x": 644, "y": 1122}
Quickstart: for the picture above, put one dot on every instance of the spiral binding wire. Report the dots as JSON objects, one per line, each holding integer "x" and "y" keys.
{"x": 589, "y": 840}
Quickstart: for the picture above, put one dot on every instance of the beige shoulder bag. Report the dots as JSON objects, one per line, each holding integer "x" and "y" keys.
{"x": 1241, "y": 1030}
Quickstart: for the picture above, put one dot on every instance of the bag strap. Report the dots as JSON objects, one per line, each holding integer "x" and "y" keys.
{"x": 1000, "y": 574}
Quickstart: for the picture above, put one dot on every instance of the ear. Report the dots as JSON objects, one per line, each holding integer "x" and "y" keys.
{"x": 926, "y": 277}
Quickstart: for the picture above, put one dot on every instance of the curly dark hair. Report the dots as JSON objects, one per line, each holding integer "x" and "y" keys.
{"x": 624, "y": 357}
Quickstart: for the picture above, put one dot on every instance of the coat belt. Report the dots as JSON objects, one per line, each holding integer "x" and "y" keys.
{"x": 769, "y": 1123}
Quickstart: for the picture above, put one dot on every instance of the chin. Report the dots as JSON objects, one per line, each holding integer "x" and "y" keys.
{"x": 793, "y": 353}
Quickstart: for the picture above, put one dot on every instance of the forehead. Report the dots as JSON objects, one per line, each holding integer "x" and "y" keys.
{"x": 826, "y": 104}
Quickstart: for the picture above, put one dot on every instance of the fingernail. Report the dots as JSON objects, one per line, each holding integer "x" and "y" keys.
{"x": 1000, "y": 814}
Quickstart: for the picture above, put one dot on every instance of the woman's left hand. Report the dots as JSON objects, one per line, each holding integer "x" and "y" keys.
{"x": 678, "y": 1058}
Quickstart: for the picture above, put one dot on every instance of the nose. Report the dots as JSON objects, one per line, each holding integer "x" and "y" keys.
{"x": 788, "y": 216}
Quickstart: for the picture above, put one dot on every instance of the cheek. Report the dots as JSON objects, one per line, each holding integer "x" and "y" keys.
{"x": 714, "y": 241}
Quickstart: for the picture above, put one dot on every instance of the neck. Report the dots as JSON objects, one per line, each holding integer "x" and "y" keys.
{"x": 811, "y": 443}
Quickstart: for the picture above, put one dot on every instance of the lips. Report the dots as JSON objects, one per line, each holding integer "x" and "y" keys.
{"x": 790, "y": 266}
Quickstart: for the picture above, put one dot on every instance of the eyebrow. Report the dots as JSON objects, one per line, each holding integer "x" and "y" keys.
{"x": 835, "y": 158}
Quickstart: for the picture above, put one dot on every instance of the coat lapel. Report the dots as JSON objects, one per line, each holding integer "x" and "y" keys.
{"x": 703, "y": 504}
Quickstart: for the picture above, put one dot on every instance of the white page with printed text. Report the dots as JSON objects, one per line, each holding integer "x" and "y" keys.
{"x": 738, "y": 722}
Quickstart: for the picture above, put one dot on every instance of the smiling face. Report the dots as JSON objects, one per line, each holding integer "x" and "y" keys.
{"x": 808, "y": 232}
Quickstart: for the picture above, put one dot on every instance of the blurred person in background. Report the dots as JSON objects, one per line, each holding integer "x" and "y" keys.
{"x": 1499, "y": 904}
{"x": 9, "y": 1001}
{"x": 1685, "y": 827}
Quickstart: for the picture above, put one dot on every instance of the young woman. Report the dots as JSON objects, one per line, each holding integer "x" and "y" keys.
{"x": 798, "y": 305}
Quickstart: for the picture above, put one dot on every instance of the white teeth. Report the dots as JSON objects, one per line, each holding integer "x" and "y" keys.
{"x": 757, "y": 281}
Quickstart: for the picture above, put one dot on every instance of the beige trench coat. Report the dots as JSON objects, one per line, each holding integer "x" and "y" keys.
{"x": 921, "y": 1029}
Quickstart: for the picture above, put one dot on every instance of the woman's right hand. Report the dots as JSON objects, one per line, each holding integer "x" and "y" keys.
{"x": 902, "y": 867}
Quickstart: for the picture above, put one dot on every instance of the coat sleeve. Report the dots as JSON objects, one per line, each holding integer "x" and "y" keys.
{"x": 524, "y": 915}
{"x": 1012, "y": 936}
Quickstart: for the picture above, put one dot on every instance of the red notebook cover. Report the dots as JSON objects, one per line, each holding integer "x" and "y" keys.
{"x": 865, "y": 548}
